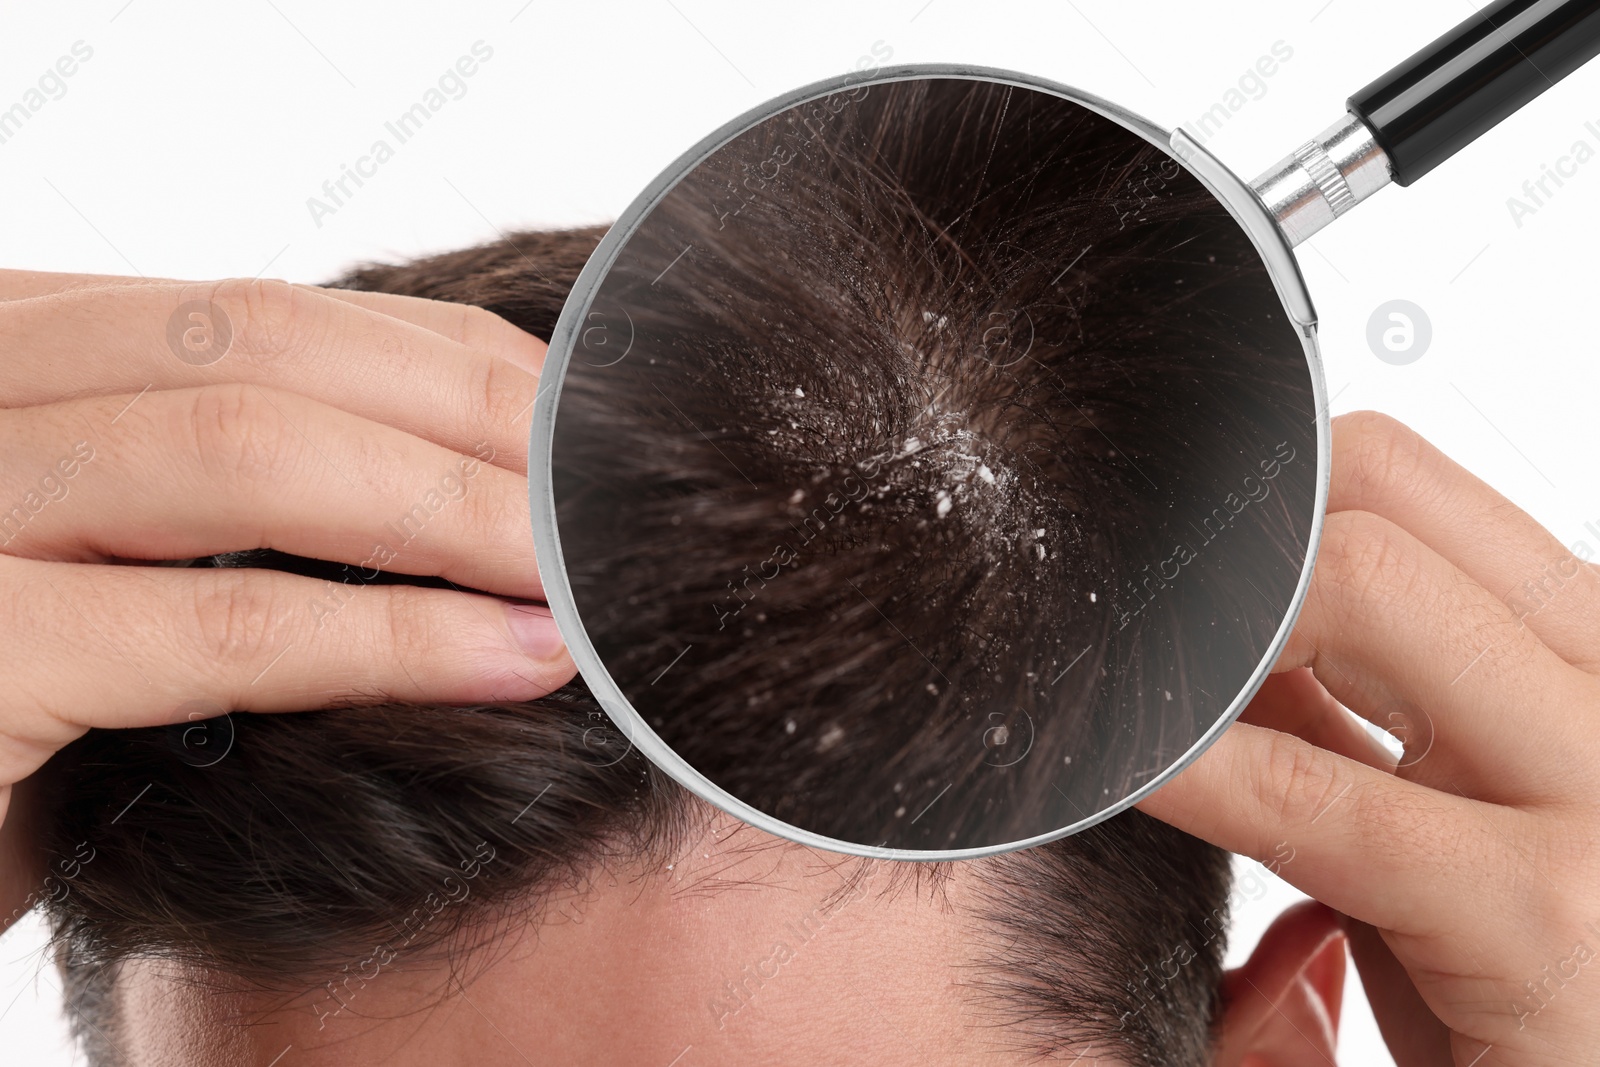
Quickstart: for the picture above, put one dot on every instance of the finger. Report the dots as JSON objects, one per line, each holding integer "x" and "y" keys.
{"x": 23, "y": 284}
{"x": 464, "y": 323}
{"x": 1294, "y": 702}
{"x": 124, "y": 646}
{"x": 128, "y": 338}
{"x": 1364, "y": 842}
{"x": 1386, "y": 468}
{"x": 222, "y": 468}
{"x": 1389, "y": 623}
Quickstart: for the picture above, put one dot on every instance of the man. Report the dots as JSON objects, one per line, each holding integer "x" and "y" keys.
{"x": 459, "y": 866}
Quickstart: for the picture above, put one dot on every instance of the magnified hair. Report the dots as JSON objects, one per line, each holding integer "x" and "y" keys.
{"x": 934, "y": 465}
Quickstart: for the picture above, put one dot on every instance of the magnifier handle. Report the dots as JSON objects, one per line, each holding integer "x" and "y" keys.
{"x": 1430, "y": 107}
{"x": 1459, "y": 87}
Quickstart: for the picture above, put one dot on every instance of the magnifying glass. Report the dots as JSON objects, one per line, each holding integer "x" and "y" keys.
{"x": 931, "y": 461}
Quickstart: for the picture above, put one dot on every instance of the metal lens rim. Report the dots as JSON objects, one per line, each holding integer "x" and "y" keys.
{"x": 1235, "y": 194}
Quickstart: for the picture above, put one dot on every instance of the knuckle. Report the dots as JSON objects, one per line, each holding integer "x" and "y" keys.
{"x": 270, "y": 317}
{"x": 237, "y": 617}
{"x": 504, "y": 398}
{"x": 1376, "y": 455}
{"x": 411, "y": 630}
{"x": 1364, "y": 559}
{"x": 482, "y": 327}
{"x": 490, "y": 510}
{"x": 240, "y": 435}
{"x": 1422, "y": 833}
{"x": 1387, "y": 816}
{"x": 1297, "y": 778}
{"x": 1307, "y": 785}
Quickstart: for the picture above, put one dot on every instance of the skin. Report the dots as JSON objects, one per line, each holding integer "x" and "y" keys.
{"x": 1469, "y": 867}
{"x": 634, "y": 971}
{"x": 328, "y": 414}
{"x": 839, "y": 965}
{"x": 1457, "y": 875}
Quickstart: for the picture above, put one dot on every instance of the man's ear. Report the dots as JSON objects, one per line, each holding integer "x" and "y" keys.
{"x": 1281, "y": 1009}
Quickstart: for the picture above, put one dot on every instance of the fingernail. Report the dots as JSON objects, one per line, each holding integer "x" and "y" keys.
{"x": 534, "y": 630}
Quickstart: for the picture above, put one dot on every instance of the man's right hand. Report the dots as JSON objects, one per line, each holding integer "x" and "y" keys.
{"x": 156, "y": 420}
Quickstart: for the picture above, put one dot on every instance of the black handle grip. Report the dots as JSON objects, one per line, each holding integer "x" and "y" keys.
{"x": 1440, "y": 100}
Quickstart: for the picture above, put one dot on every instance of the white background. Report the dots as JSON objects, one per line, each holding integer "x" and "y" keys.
{"x": 189, "y": 143}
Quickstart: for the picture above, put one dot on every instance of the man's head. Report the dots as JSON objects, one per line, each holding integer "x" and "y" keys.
{"x": 500, "y": 884}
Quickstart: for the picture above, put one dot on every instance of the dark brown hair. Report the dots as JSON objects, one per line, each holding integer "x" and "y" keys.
{"x": 319, "y": 835}
{"x": 950, "y": 411}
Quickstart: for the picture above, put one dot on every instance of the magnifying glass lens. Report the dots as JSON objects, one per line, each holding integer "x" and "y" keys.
{"x": 934, "y": 467}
